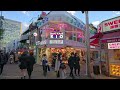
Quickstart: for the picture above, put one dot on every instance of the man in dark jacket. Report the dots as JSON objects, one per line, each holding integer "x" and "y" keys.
{"x": 30, "y": 63}
{"x": 71, "y": 62}
{"x": 2, "y": 62}
{"x": 77, "y": 64}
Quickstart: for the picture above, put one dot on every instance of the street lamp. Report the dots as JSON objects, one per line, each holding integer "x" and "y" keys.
{"x": 87, "y": 43}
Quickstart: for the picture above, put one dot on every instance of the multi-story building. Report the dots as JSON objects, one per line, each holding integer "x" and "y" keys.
{"x": 59, "y": 31}
{"x": 12, "y": 31}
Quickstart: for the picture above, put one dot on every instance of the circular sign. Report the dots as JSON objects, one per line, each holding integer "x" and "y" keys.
{"x": 35, "y": 34}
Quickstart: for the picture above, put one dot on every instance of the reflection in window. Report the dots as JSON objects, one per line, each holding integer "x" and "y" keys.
{"x": 68, "y": 35}
{"x": 74, "y": 36}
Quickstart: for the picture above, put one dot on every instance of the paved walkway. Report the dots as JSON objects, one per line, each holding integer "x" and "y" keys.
{"x": 12, "y": 71}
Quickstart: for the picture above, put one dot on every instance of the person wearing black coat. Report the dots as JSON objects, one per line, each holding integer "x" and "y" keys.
{"x": 77, "y": 64}
{"x": 30, "y": 64}
{"x": 71, "y": 62}
{"x": 2, "y": 62}
{"x": 23, "y": 63}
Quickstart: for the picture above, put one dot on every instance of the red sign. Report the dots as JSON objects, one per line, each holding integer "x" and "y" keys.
{"x": 112, "y": 24}
{"x": 99, "y": 28}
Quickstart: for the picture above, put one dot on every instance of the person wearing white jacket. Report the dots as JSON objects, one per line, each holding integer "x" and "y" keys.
{"x": 57, "y": 64}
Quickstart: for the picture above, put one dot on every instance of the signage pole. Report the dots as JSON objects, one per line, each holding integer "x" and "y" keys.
{"x": 88, "y": 44}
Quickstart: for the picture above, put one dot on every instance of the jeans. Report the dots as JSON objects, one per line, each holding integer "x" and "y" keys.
{"x": 44, "y": 70}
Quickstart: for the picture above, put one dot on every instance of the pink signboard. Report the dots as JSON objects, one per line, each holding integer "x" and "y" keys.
{"x": 115, "y": 45}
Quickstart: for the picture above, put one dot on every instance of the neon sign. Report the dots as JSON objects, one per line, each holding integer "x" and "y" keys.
{"x": 56, "y": 35}
{"x": 56, "y": 41}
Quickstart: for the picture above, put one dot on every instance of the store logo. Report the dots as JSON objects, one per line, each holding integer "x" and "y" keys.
{"x": 56, "y": 35}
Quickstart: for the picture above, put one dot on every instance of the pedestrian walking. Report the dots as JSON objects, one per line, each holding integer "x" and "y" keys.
{"x": 16, "y": 58}
{"x": 71, "y": 62}
{"x": 7, "y": 56}
{"x": 53, "y": 61}
{"x": 23, "y": 64}
{"x": 30, "y": 64}
{"x": 2, "y": 61}
{"x": 77, "y": 64}
{"x": 11, "y": 59}
{"x": 57, "y": 65}
{"x": 63, "y": 71}
{"x": 45, "y": 64}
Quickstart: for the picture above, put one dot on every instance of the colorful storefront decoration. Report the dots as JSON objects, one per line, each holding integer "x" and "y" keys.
{"x": 69, "y": 20}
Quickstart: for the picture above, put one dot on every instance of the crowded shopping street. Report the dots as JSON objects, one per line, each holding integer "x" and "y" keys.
{"x": 59, "y": 45}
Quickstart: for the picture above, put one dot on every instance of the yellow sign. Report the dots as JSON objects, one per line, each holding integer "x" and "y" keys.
{"x": 115, "y": 70}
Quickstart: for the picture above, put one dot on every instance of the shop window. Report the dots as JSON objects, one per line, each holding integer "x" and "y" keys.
{"x": 68, "y": 35}
{"x": 74, "y": 37}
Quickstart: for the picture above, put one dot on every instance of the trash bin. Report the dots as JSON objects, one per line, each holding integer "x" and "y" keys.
{"x": 96, "y": 70}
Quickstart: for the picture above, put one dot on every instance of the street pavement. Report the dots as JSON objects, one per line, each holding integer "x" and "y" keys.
{"x": 12, "y": 71}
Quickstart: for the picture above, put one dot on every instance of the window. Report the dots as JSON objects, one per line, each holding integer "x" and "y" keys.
{"x": 68, "y": 35}
{"x": 74, "y": 37}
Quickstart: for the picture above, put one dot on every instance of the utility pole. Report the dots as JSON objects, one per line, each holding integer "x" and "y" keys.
{"x": 87, "y": 43}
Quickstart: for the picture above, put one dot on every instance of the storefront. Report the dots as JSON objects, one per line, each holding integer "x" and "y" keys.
{"x": 110, "y": 46}
{"x": 58, "y": 35}
{"x": 63, "y": 34}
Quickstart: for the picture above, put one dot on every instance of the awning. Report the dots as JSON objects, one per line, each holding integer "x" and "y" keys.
{"x": 111, "y": 37}
{"x": 95, "y": 42}
{"x": 98, "y": 35}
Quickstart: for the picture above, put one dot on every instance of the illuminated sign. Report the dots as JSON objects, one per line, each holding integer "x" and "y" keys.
{"x": 56, "y": 41}
{"x": 56, "y": 35}
{"x": 109, "y": 25}
{"x": 115, "y": 70}
{"x": 76, "y": 23}
{"x": 115, "y": 45}
{"x": 35, "y": 34}
{"x": 41, "y": 43}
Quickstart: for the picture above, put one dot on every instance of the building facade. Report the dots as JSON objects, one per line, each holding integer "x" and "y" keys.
{"x": 110, "y": 45}
{"x": 12, "y": 32}
{"x": 57, "y": 32}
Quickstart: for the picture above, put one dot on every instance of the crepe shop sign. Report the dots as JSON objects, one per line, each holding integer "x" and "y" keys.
{"x": 111, "y": 24}
{"x": 115, "y": 45}
{"x": 56, "y": 35}
{"x": 58, "y": 26}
